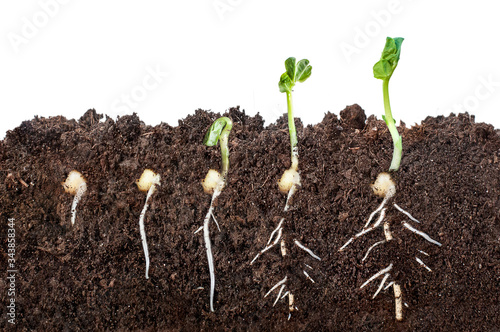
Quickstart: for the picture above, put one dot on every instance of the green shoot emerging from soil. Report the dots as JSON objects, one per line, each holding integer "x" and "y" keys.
{"x": 295, "y": 72}
{"x": 219, "y": 129}
{"x": 290, "y": 181}
{"x": 213, "y": 184}
{"x": 385, "y": 186}
{"x": 147, "y": 183}
{"x": 383, "y": 70}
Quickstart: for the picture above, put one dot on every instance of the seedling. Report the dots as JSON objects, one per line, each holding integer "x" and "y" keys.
{"x": 75, "y": 185}
{"x": 295, "y": 72}
{"x": 385, "y": 186}
{"x": 290, "y": 181}
{"x": 147, "y": 183}
{"x": 213, "y": 184}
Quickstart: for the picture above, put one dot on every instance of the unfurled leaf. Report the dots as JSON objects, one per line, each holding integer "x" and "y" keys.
{"x": 303, "y": 70}
{"x": 290, "y": 65}
{"x": 295, "y": 72}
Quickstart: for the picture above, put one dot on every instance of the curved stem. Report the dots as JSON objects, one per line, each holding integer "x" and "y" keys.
{"x": 396, "y": 138}
{"x": 224, "y": 137}
{"x": 293, "y": 132}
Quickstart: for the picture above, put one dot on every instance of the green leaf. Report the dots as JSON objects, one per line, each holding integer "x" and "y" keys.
{"x": 213, "y": 134}
{"x": 388, "y": 62}
{"x": 295, "y": 72}
{"x": 285, "y": 83}
{"x": 290, "y": 65}
{"x": 303, "y": 70}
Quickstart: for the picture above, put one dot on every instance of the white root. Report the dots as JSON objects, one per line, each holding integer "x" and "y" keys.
{"x": 309, "y": 251}
{"x": 371, "y": 248}
{"x": 380, "y": 219}
{"x": 423, "y": 264}
{"x": 275, "y": 230}
{"x": 398, "y": 301}
{"x": 208, "y": 246}
{"x": 291, "y": 303}
{"x": 143, "y": 231}
{"x": 423, "y": 252}
{"x": 308, "y": 277}
{"x": 279, "y": 283}
{"x": 386, "y": 276}
{"x": 82, "y": 188}
{"x": 346, "y": 244}
{"x": 280, "y": 231}
{"x": 147, "y": 182}
{"x": 279, "y": 295}
{"x": 290, "y": 194}
{"x": 389, "y": 285}
{"x": 380, "y": 207}
{"x": 422, "y": 234}
{"x": 283, "y": 247}
{"x": 406, "y": 213}
{"x": 365, "y": 230}
{"x": 213, "y": 217}
{"x": 387, "y": 232}
{"x": 376, "y": 275}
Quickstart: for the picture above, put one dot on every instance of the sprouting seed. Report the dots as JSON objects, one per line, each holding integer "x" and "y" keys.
{"x": 147, "y": 183}
{"x": 75, "y": 185}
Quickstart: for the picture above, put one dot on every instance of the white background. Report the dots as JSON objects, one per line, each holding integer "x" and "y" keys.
{"x": 64, "y": 57}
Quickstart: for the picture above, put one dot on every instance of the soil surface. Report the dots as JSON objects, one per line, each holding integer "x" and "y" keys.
{"x": 91, "y": 276}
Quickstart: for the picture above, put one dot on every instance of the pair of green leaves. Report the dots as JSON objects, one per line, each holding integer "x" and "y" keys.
{"x": 388, "y": 62}
{"x": 295, "y": 72}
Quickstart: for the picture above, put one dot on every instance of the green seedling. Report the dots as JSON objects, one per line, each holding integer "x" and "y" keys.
{"x": 295, "y": 72}
{"x": 75, "y": 185}
{"x": 383, "y": 70}
{"x": 213, "y": 184}
{"x": 385, "y": 186}
{"x": 148, "y": 182}
{"x": 290, "y": 181}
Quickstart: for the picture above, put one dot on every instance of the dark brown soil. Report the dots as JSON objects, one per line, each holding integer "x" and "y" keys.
{"x": 91, "y": 276}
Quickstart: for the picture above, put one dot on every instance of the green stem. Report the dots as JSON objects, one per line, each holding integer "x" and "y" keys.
{"x": 224, "y": 145}
{"x": 396, "y": 138}
{"x": 293, "y": 132}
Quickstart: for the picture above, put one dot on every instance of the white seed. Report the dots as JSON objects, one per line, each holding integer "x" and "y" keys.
{"x": 148, "y": 178}
{"x": 289, "y": 178}
{"x": 213, "y": 179}
{"x": 73, "y": 182}
{"x": 384, "y": 186}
